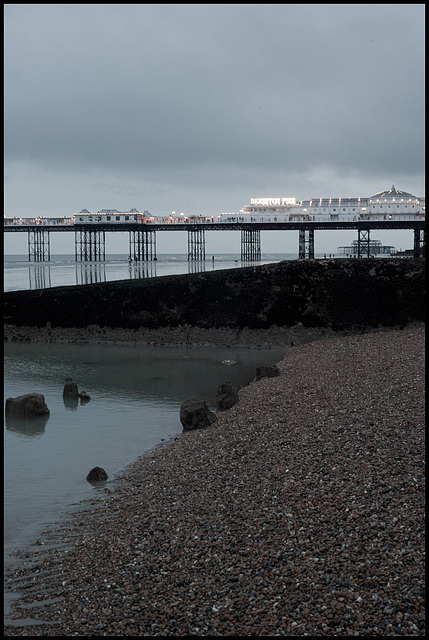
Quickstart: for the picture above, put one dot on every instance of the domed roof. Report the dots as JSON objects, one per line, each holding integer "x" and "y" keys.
{"x": 392, "y": 193}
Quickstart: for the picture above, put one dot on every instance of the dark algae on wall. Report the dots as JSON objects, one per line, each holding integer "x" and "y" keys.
{"x": 337, "y": 294}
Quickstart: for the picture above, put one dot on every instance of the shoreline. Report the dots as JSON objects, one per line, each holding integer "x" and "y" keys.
{"x": 186, "y": 335}
{"x": 299, "y": 512}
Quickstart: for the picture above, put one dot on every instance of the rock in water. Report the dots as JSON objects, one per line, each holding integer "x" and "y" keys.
{"x": 29, "y": 405}
{"x": 84, "y": 396}
{"x": 70, "y": 390}
{"x": 97, "y": 474}
{"x": 195, "y": 414}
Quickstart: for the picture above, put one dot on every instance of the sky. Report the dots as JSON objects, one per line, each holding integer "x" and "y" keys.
{"x": 198, "y": 108}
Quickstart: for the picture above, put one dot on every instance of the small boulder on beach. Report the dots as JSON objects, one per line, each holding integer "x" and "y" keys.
{"x": 267, "y": 372}
{"x": 227, "y": 396}
{"x": 195, "y": 414}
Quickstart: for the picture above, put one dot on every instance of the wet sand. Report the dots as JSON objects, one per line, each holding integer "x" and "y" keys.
{"x": 299, "y": 512}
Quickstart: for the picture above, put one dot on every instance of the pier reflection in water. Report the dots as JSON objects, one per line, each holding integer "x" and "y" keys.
{"x": 64, "y": 270}
{"x": 39, "y": 276}
{"x": 148, "y": 269}
{"x": 90, "y": 272}
{"x": 196, "y": 266}
{"x": 142, "y": 269}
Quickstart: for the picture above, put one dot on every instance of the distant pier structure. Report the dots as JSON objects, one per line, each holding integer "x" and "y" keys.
{"x": 368, "y": 247}
{"x": 390, "y": 209}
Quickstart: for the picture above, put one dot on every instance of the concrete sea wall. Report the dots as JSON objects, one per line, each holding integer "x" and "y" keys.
{"x": 337, "y": 294}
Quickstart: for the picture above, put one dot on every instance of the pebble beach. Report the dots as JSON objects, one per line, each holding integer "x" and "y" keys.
{"x": 299, "y": 512}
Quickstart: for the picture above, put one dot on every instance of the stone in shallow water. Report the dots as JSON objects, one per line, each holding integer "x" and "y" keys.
{"x": 27, "y": 406}
{"x": 70, "y": 390}
{"x": 84, "y": 396}
{"x": 97, "y": 474}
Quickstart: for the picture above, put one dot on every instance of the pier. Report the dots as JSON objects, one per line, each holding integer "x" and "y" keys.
{"x": 90, "y": 239}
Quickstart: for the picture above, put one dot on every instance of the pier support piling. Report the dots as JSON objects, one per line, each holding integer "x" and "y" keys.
{"x": 250, "y": 245}
{"x": 143, "y": 245}
{"x": 196, "y": 244}
{"x": 363, "y": 243}
{"x": 419, "y": 242}
{"x": 90, "y": 245}
{"x": 38, "y": 245}
{"x": 306, "y": 244}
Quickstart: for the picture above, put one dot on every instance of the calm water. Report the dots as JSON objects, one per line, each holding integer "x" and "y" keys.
{"x": 64, "y": 270}
{"x": 136, "y": 394}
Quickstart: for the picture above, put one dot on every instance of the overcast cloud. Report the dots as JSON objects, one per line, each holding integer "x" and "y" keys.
{"x": 198, "y": 108}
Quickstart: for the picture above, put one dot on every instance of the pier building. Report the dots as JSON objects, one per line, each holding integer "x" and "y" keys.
{"x": 389, "y": 209}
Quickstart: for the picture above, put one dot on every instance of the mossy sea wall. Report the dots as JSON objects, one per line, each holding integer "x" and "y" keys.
{"x": 339, "y": 294}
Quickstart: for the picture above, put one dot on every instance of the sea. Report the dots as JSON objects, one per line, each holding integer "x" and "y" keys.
{"x": 63, "y": 269}
{"x": 136, "y": 394}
